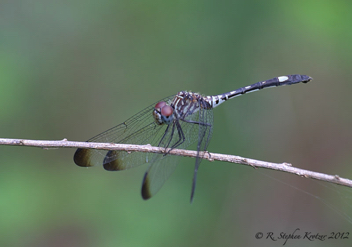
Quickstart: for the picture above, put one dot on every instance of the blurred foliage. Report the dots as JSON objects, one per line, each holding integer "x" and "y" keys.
{"x": 71, "y": 69}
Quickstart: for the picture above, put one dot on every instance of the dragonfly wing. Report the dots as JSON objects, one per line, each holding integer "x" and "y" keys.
{"x": 204, "y": 135}
{"x": 121, "y": 160}
{"x": 157, "y": 174}
{"x": 160, "y": 169}
{"x": 139, "y": 129}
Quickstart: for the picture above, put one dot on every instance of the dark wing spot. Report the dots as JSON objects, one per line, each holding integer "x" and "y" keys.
{"x": 111, "y": 161}
{"x": 146, "y": 187}
{"x": 82, "y": 157}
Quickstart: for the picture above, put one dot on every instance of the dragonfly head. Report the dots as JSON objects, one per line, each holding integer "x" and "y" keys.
{"x": 163, "y": 113}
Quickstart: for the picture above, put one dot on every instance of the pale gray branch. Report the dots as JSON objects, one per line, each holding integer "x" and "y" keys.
{"x": 284, "y": 167}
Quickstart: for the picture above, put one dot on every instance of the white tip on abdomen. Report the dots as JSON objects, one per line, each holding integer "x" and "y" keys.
{"x": 282, "y": 78}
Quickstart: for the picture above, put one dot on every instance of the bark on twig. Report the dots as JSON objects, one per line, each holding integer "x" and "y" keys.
{"x": 284, "y": 167}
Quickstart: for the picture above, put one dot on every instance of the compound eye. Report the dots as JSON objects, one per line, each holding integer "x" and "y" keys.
{"x": 160, "y": 105}
{"x": 166, "y": 111}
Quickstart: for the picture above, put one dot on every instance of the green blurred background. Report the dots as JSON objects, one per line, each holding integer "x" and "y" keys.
{"x": 72, "y": 69}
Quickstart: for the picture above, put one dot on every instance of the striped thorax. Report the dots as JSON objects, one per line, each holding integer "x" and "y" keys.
{"x": 183, "y": 104}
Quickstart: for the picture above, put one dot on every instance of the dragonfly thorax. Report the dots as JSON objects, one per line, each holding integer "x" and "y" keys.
{"x": 163, "y": 113}
{"x": 188, "y": 103}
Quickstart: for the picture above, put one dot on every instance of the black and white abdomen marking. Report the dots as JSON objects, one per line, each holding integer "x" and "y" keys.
{"x": 275, "y": 82}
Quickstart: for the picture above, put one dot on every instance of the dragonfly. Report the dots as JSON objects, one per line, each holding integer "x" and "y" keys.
{"x": 177, "y": 121}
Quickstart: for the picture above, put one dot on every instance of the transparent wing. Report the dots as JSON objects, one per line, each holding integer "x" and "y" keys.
{"x": 205, "y": 118}
{"x": 160, "y": 171}
{"x": 157, "y": 174}
{"x": 142, "y": 129}
{"x": 139, "y": 129}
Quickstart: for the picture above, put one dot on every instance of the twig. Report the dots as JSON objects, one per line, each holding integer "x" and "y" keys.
{"x": 284, "y": 167}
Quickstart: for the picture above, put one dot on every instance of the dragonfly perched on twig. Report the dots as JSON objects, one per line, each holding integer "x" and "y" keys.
{"x": 173, "y": 122}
